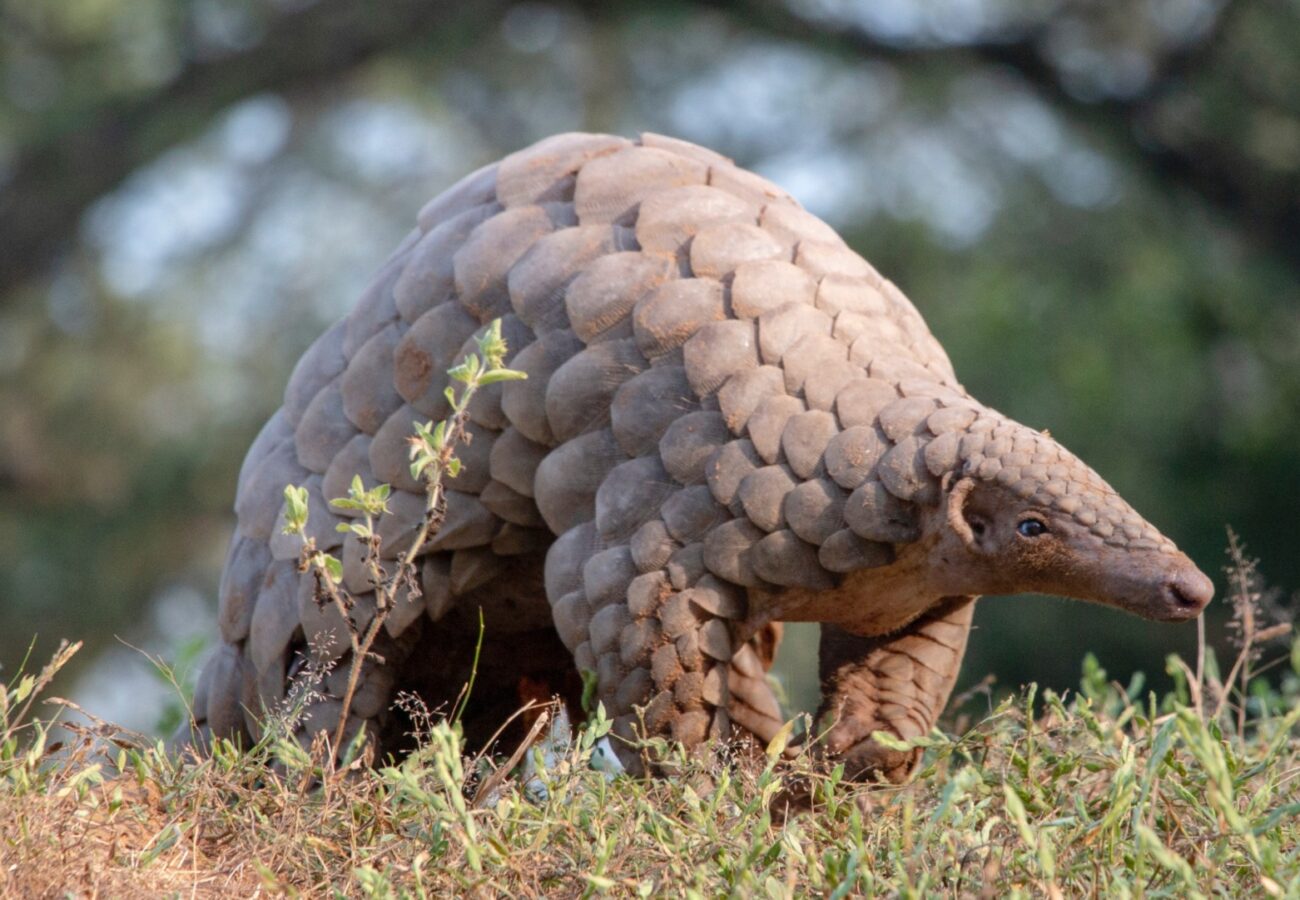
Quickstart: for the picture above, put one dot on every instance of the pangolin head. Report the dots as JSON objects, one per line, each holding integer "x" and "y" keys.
{"x": 1020, "y": 513}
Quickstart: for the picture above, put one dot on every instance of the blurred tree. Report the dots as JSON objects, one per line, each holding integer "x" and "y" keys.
{"x": 1095, "y": 205}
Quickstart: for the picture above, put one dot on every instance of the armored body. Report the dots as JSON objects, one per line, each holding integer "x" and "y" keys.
{"x": 730, "y": 420}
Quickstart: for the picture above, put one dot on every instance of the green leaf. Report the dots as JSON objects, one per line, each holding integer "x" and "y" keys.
{"x": 780, "y": 740}
{"x": 492, "y": 345}
{"x": 1271, "y": 821}
{"x": 1150, "y": 841}
{"x": 590, "y": 684}
{"x": 26, "y": 685}
{"x": 466, "y": 371}
{"x": 167, "y": 839}
{"x": 1016, "y": 812}
{"x": 496, "y": 375}
{"x": 453, "y": 466}
{"x": 375, "y": 501}
{"x": 333, "y": 567}
{"x": 890, "y": 741}
{"x": 295, "y": 509}
{"x": 357, "y": 489}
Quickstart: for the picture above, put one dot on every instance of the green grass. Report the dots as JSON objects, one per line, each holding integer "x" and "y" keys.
{"x": 1107, "y": 792}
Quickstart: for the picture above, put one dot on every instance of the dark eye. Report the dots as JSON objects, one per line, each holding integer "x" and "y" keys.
{"x": 1031, "y": 528}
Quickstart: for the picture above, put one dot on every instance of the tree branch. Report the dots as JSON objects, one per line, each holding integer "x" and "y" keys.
{"x": 1262, "y": 208}
{"x": 53, "y": 182}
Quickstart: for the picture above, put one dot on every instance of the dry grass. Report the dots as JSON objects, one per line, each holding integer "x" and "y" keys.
{"x": 1098, "y": 795}
{"x": 1108, "y": 792}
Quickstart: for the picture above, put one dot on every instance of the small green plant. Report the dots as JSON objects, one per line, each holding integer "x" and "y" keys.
{"x": 24, "y": 740}
{"x": 433, "y": 460}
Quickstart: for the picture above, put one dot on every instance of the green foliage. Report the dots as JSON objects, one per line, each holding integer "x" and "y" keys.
{"x": 372, "y": 503}
{"x": 430, "y": 456}
{"x": 295, "y": 509}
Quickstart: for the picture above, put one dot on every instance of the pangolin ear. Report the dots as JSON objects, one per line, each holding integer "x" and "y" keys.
{"x": 969, "y": 526}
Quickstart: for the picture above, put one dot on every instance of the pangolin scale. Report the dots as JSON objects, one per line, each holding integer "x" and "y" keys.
{"x": 731, "y": 420}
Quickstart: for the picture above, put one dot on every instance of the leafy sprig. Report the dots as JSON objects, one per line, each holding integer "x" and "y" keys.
{"x": 433, "y": 460}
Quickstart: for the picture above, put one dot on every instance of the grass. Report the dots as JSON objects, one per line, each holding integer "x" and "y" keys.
{"x": 1107, "y": 792}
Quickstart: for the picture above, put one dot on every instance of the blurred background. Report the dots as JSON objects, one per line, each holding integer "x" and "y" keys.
{"x": 1096, "y": 205}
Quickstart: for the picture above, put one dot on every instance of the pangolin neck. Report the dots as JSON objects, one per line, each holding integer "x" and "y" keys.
{"x": 874, "y": 601}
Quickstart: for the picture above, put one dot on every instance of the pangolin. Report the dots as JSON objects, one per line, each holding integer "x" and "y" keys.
{"x": 730, "y": 420}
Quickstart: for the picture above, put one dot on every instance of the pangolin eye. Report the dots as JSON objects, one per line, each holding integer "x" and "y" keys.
{"x": 1031, "y": 528}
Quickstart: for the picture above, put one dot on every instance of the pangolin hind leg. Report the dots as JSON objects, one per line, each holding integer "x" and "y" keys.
{"x": 655, "y": 629}
{"x": 897, "y": 683}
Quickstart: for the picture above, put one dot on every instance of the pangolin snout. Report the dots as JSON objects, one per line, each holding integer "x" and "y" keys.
{"x": 1186, "y": 593}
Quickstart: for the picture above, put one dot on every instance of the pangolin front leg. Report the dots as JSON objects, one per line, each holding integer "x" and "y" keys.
{"x": 897, "y": 683}
{"x": 753, "y": 705}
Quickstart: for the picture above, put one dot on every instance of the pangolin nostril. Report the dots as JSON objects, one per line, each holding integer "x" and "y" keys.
{"x": 1190, "y": 591}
